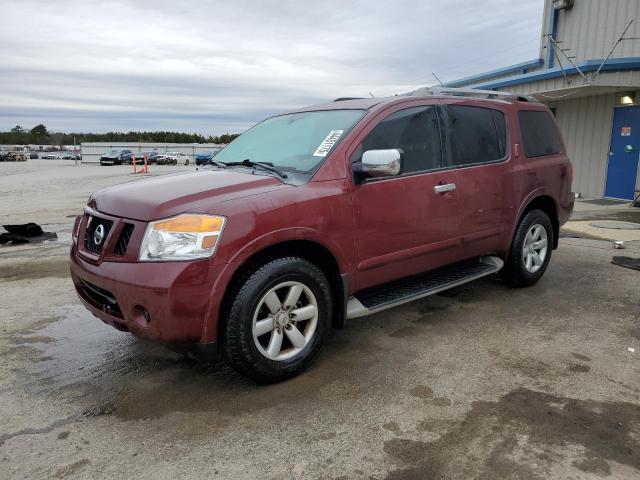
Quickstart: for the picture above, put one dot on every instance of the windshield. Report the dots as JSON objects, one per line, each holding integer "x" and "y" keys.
{"x": 296, "y": 141}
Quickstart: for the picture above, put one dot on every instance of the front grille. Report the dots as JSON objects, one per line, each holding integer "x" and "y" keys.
{"x": 94, "y": 236}
{"x": 101, "y": 298}
{"x": 123, "y": 241}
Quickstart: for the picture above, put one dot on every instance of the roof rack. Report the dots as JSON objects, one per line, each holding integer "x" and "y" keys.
{"x": 470, "y": 92}
{"x": 344, "y": 99}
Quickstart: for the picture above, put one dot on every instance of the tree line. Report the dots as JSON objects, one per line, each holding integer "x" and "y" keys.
{"x": 39, "y": 135}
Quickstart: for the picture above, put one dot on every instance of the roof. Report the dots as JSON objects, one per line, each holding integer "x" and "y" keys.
{"x": 355, "y": 104}
{"x": 495, "y": 79}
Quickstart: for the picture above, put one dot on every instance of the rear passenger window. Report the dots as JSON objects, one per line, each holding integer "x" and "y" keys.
{"x": 539, "y": 134}
{"x": 415, "y": 131}
{"x": 477, "y": 135}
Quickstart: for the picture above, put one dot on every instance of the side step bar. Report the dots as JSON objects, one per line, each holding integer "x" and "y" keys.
{"x": 406, "y": 290}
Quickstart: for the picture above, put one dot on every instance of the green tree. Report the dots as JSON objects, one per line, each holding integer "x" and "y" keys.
{"x": 17, "y": 129}
{"x": 39, "y": 131}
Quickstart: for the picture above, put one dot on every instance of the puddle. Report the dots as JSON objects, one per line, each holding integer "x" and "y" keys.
{"x": 33, "y": 269}
{"x": 107, "y": 372}
{"x": 508, "y": 435}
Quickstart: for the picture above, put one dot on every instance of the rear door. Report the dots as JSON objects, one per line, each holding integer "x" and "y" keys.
{"x": 476, "y": 148}
{"x": 403, "y": 225}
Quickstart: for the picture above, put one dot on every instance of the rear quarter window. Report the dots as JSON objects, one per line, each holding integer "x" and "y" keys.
{"x": 477, "y": 134}
{"x": 539, "y": 133}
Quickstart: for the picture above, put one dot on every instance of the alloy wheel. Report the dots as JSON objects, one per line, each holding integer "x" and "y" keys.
{"x": 534, "y": 248}
{"x": 285, "y": 320}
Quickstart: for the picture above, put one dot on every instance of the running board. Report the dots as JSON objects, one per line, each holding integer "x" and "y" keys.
{"x": 406, "y": 290}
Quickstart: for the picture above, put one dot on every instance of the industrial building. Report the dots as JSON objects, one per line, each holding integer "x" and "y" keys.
{"x": 91, "y": 151}
{"x": 588, "y": 72}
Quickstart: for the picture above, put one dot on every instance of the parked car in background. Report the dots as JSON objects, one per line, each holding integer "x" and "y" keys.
{"x": 152, "y": 157}
{"x": 325, "y": 214}
{"x": 49, "y": 156}
{"x": 72, "y": 156}
{"x": 13, "y": 157}
{"x": 33, "y": 155}
{"x": 116, "y": 156}
{"x": 204, "y": 157}
{"x": 173, "y": 158}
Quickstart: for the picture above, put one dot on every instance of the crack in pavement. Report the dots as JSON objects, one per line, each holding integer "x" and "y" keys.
{"x": 35, "y": 431}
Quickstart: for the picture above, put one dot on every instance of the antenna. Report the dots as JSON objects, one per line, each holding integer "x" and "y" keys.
{"x": 437, "y": 78}
{"x": 557, "y": 48}
{"x": 620, "y": 39}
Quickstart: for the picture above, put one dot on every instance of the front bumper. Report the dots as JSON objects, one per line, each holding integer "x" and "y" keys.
{"x": 161, "y": 301}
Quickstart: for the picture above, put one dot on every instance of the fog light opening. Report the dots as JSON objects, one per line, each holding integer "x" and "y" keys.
{"x": 141, "y": 314}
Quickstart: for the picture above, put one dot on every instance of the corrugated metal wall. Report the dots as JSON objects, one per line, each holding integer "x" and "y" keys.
{"x": 586, "y": 127}
{"x": 591, "y": 27}
{"x": 91, "y": 151}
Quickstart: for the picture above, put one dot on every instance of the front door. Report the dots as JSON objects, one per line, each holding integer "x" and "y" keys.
{"x": 404, "y": 224}
{"x": 623, "y": 156}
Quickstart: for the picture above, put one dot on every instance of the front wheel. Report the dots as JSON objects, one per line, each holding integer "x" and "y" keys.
{"x": 278, "y": 320}
{"x": 530, "y": 251}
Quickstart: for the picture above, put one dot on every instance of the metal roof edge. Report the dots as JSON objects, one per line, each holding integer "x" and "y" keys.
{"x": 500, "y": 71}
{"x": 612, "y": 65}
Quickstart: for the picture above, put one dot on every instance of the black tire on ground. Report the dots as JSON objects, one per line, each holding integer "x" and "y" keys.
{"x": 514, "y": 271}
{"x": 186, "y": 162}
{"x": 239, "y": 348}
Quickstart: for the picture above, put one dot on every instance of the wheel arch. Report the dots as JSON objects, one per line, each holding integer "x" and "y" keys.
{"x": 310, "y": 250}
{"x": 548, "y": 205}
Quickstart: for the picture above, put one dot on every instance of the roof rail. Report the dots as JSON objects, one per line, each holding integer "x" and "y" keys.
{"x": 344, "y": 99}
{"x": 471, "y": 92}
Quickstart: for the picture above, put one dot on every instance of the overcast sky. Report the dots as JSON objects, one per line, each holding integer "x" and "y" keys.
{"x": 215, "y": 67}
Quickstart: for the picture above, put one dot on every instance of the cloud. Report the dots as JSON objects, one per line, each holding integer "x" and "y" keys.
{"x": 213, "y": 67}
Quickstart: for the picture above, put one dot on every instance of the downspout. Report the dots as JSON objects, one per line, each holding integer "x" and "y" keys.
{"x": 552, "y": 33}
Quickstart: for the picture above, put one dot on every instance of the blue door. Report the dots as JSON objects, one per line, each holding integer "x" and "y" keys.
{"x": 623, "y": 157}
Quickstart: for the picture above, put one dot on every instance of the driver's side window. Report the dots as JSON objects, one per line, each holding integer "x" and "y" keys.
{"x": 414, "y": 131}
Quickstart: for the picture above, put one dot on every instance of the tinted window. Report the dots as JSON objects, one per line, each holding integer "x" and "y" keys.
{"x": 477, "y": 135}
{"x": 415, "y": 131}
{"x": 539, "y": 133}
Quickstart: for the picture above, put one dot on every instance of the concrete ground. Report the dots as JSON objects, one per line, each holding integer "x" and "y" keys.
{"x": 587, "y": 213}
{"x": 483, "y": 381}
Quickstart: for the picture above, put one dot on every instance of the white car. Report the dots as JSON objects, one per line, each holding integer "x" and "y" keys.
{"x": 49, "y": 156}
{"x": 173, "y": 158}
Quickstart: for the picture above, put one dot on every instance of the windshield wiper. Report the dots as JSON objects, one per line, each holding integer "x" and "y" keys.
{"x": 268, "y": 166}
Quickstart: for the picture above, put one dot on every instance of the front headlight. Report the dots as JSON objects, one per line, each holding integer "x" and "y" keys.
{"x": 185, "y": 237}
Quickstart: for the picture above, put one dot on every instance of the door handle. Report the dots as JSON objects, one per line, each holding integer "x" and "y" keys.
{"x": 447, "y": 187}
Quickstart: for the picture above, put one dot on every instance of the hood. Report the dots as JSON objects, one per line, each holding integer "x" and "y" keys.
{"x": 168, "y": 195}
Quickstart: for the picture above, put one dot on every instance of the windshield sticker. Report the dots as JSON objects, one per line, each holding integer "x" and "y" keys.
{"x": 329, "y": 141}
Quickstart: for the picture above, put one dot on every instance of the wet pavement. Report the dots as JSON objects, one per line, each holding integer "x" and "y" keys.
{"x": 483, "y": 381}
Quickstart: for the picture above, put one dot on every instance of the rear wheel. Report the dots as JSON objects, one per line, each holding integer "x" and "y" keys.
{"x": 278, "y": 320}
{"x": 530, "y": 251}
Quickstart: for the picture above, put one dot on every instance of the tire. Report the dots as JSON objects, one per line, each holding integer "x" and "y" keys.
{"x": 252, "y": 355}
{"x": 524, "y": 268}
{"x": 186, "y": 162}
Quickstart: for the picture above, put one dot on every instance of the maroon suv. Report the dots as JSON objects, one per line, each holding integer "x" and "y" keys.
{"x": 320, "y": 215}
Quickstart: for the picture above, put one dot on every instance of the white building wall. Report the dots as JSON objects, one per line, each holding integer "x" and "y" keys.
{"x": 91, "y": 151}
{"x": 591, "y": 27}
{"x": 586, "y": 127}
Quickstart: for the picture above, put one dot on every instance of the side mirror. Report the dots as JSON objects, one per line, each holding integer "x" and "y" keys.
{"x": 381, "y": 163}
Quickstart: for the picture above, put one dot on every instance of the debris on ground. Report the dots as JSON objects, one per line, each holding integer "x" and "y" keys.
{"x": 25, "y": 233}
{"x": 627, "y": 262}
